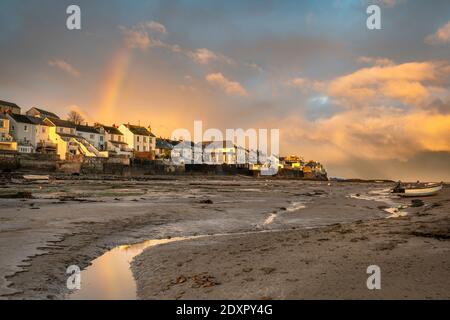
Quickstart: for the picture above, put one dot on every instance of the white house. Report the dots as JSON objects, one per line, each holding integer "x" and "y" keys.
{"x": 139, "y": 139}
{"x": 95, "y": 136}
{"x": 31, "y": 133}
{"x": 115, "y": 141}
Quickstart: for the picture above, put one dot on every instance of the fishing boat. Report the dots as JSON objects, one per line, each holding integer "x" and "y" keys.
{"x": 417, "y": 189}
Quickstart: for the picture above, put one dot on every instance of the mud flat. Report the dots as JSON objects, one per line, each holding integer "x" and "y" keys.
{"x": 74, "y": 222}
{"x": 413, "y": 252}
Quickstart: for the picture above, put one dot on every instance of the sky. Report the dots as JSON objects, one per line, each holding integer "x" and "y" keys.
{"x": 365, "y": 103}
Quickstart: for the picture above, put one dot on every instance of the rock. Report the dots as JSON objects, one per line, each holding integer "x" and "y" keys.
{"x": 416, "y": 203}
{"x": 267, "y": 270}
{"x": 180, "y": 279}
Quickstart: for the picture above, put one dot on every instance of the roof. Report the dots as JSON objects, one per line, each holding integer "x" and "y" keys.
{"x": 138, "y": 130}
{"x": 8, "y": 104}
{"x": 61, "y": 123}
{"x": 163, "y": 144}
{"x": 87, "y": 129}
{"x": 22, "y": 118}
{"x": 112, "y": 130}
{"x": 45, "y": 113}
{"x": 218, "y": 144}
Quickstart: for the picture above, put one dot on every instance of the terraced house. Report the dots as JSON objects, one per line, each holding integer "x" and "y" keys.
{"x": 31, "y": 134}
{"x": 115, "y": 141}
{"x": 7, "y": 142}
{"x": 9, "y": 107}
{"x": 140, "y": 139}
{"x": 69, "y": 144}
{"x": 95, "y": 136}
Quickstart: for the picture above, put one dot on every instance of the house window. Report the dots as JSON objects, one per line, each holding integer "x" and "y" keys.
{"x": 12, "y": 128}
{"x": 145, "y": 139}
{"x": 137, "y": 148}
{"x": 145, "y": 148}
{"x": 2, "y": 124}
{"x": 25, "y": 128}
{"x": 43, "y": 130}
{"x": 101, "y": 138}
{"x": 92, "y": 136}
{"x": 137, "y": 138}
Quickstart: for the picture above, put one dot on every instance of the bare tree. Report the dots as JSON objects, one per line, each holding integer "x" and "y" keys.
{"x": 75, "y": 117}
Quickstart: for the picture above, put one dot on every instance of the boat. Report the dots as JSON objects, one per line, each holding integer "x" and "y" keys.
{"x": 34, "y": 177}
{"x": 417, "y": 189}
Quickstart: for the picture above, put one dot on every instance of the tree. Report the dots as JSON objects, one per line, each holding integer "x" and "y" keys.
{"x": 75, "y": 117}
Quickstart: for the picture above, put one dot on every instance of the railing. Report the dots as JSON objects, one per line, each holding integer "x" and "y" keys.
{"x": 6, "y": 139}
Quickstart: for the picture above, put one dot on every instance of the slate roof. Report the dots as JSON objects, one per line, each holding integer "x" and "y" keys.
{"x": 45, "y": 113}
{"x": 21, "y": 118}
{"x": 8, "y": 104}
{"x": 61, "y": 123}
{"x": 138, "y": 130}
{"x": 112, "y": 130}
{"x": 163, "y": 144}
{"x": 87, "y": 129}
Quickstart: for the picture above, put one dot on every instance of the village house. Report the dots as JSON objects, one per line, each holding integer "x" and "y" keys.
{"x": 7, "y": 142}
{"x": 63, "y": 134}
{"x": 115, "y": 141}
{"x": 219, "y": 152}
{"x": 40, "y": 113}
{"x": 140, "y": 139}
{"x": 9, "y": 107}
{"x": 95, "y": 136}
{"x": 292, "y": 162}
{"x": 164, "y": 148}
{"x": 31, "y": 134}
{"x": 69, "y": 143}
{"x": 183, "y": 152}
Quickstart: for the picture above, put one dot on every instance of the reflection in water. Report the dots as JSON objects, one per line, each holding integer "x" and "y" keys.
{"x": 109, "y": 277}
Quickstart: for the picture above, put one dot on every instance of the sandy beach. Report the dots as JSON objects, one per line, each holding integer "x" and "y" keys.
{"x": 256, "y": 238}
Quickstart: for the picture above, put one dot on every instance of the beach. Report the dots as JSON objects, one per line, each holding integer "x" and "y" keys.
{"x": 232, "y": 238}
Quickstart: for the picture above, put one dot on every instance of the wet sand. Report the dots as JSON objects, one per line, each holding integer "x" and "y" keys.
{"x": 74, "y": 222}
{"x": 331, "y": 262}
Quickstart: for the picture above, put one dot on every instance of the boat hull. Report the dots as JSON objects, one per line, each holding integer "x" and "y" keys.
{"x": 421, "y": 192}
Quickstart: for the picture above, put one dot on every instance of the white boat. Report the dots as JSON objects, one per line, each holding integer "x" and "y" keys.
{"x": 417, "y": 190}
{"x": 35, "y": 177}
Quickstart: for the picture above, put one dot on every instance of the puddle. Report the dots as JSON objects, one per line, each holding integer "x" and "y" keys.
{"x": 384, "y": 195}
{"x": 109, "y": 277}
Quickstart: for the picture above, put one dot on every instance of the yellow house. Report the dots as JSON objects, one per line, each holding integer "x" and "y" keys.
{"x": 7, "y": 142}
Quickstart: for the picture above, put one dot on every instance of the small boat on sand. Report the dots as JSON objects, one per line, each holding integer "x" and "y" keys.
{"x": 33, "y": 177}
{"x": 417, "y": 189}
